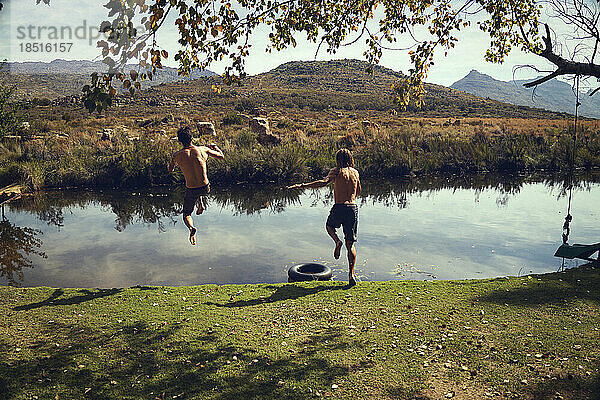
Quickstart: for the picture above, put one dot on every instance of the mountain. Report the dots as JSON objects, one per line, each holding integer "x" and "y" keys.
{"x": 61, "y": 78}
{"x": 552, "y": 95}
{"x": 345, "y": 84}
{"x": 309, "y": 85}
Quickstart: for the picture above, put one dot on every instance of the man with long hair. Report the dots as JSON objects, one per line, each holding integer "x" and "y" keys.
{"x": 346, "y": 185}
{"x": 192, "y": 162}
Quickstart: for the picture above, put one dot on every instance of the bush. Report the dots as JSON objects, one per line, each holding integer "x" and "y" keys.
{"x": 232, "y": 119}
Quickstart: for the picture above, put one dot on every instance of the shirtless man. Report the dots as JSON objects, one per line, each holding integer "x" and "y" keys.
{"x": 192, "y": 162}
{"x": 346, "y": 185}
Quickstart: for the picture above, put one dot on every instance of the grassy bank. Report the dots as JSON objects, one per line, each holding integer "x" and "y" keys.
{"x": 528, "y": 338}
{"x": 137, "y": 157}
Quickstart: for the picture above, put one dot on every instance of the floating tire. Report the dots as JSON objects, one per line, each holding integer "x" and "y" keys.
{"x": 309, "y": 272}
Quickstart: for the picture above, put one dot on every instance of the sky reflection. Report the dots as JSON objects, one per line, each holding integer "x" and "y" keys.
{"x": 250, "y": 235}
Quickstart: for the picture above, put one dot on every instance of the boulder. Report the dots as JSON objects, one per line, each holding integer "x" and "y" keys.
{"x": 259, "y": 125}
{"x": 206, "y": 128}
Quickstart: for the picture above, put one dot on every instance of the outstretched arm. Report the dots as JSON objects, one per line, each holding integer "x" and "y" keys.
{"x": 316, "y": 184}
{"x": 215, "y": 151}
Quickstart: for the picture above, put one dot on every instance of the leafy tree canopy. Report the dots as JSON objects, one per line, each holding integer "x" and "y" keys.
{"x": 211, "y": 30}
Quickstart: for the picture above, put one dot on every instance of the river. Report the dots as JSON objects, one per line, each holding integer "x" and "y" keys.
{"x": 432, "y": 228}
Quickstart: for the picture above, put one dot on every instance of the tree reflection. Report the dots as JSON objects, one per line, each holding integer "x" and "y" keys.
{"x": 161, "y": 208}
{"x": 16, "y": 245}
{"x": 253, "y": 200}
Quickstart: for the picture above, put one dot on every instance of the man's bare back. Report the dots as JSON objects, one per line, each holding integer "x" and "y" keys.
{"x": 346, "y": 184}
{"x": 192, "y": 162}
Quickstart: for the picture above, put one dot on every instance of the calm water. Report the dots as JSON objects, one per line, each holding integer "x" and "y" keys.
{"x": 455, "y": 228}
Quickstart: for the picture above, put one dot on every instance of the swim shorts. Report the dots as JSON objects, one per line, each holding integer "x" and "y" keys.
{"x": 191, "y": 197}
{"x": 345, "y": 215}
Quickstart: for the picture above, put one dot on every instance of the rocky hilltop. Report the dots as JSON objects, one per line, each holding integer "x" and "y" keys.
{"x": 552, "y": 95}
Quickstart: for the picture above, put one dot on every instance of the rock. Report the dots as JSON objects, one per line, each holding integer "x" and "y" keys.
{"x": 206, "y": 128}
{"x": 265, "y": 136}
{"x": 259, "y": 125}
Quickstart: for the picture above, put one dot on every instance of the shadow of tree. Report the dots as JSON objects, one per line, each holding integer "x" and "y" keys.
{"x": 558, "y": 288}
{"x": 285, "y": 292}
{"x": 143, "y": 361}
{"x": 55, "y": 300}
{"x": 569, "y": 386}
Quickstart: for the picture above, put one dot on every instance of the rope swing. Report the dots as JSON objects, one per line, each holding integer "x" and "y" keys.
{"x": 569, "y": 217}
{"x": 580, "y": 251}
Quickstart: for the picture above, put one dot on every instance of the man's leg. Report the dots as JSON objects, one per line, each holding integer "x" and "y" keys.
{"x": 336, "y": 239}
{"x": 200, "y": 205}
{"x": 189, "y": 222}
{"x": 351, "y": 262}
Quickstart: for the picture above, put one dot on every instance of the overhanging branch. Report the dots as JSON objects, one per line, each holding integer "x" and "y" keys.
{"x": 564, "y": 66}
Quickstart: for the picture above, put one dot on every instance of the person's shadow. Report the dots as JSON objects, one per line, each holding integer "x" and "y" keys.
{"x": 56, "y": 300}
{"x": 285, "y": 292}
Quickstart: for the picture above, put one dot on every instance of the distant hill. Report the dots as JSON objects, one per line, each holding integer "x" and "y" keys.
{"x": 343, "y": 85}
{"x": 553, "y": 95}
{"x": 309, "y": 85}
{"x": 61, "y": 78}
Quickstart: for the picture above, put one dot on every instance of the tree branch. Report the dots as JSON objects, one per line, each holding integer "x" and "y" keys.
{"x": 564, "y": 66}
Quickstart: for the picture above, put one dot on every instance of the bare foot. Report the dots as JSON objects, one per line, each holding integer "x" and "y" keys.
{"x": 193, "y": 236}
{"x": 337, "y": 250}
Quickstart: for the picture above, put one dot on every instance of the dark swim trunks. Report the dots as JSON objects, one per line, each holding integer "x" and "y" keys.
{"x": 346, "y": 215}
{"x": 191, "y": 197}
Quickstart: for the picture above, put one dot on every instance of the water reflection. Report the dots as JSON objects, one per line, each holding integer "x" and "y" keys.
{"x": 17, "y": 244}
{"x": 250, "y": 234}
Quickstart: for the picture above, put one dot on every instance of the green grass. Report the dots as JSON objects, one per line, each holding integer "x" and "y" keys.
{"x": 531, "y": 337}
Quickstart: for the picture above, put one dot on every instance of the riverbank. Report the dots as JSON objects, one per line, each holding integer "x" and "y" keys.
{"x": 531, "y": 337}
{"x": 118, "y": 153}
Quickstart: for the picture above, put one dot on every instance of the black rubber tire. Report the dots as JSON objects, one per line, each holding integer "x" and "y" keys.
{"x": 309, "y": 272}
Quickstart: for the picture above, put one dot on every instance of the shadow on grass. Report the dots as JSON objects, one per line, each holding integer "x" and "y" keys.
{"x": 285, "y": 292}
{"x": 578, "y": 387}
{"x": 55, "y": 300}
{"x": 142, "y": 361}
{"x": 558, "y": 288}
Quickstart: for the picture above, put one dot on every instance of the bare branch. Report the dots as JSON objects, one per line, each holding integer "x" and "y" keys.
{"x": 564, "y": 66}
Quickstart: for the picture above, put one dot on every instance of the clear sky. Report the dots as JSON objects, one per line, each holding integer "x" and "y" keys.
{"x": 25, "y": 24}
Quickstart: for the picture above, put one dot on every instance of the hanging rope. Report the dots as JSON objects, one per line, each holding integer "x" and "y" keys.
{"x": 569, "y": 217}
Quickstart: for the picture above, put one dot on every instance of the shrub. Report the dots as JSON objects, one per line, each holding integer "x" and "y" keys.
{"x": 232, "y": 119}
